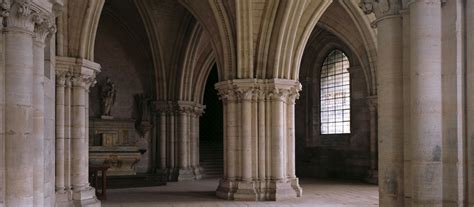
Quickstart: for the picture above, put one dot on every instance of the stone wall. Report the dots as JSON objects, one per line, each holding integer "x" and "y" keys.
{"x": 335, "y": 156}
{"x": 340, "y": 155}
{"x": 126, "y": 60}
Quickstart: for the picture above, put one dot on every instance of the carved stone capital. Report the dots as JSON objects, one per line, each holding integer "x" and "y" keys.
{"x": 62, "y": 77}
{"x": 4, "y": 8}
{"x": 226, "y": 95}
{"x": 83, "y": 80}
{"x": 382, "y": 9}
{"x": 245, "y": 94}
{"x": 21, "y": 16}
{"x": 44, "y": 26}
{"x": 83, "y": 72}
{"x": 277, "y": 94}
{"x": 199, "y": 110}
{"x": 185, "y": 107}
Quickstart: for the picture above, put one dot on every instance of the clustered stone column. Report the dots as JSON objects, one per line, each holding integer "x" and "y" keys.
{"x": 74, "y": 77}
{"x": 259, "y": 140}
{"x": 23, "y": 106}
{"x": 179, "y": 140}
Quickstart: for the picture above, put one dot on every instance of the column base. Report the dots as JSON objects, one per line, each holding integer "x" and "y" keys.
{"x": 197, "y": 172}
{"x": 85, "y": 197}
{"x": 64, "y": 198}
{"x": 177, "y": 174}
{"x": 267, "y": 190}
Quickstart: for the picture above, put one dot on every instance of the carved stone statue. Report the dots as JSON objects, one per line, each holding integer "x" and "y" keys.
{"x": 107, "y": 95}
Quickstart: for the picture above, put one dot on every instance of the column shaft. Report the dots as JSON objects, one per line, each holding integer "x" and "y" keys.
{"x": 277, "y": 138}
{"x": 79, "y": 144}
{"x": 183, "y": 126}
{"x": 67, "y": 134}
{"x": 162, "y": 140}
{"x": 426, "y": 102}
{"x": 38, "y": 122}
{"x": 261, "y": 137}
{"x": 470, "y": 99}
{"x": 59, "y": 142}
{"x": 390, "y": 123}
{"x": 246, "y": 137}
{"x": 231, "y": 136}
{"x": 18, "y": 112}
{"x": 290, "y": 140}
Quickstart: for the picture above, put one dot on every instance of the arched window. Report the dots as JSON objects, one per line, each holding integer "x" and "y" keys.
{"x": 335, "y": 94}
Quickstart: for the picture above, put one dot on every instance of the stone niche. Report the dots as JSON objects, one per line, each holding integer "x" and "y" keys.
{"x": 112, "y": 144}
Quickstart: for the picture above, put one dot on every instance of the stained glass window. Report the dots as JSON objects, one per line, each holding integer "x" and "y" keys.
{"x": 335, "y": 94}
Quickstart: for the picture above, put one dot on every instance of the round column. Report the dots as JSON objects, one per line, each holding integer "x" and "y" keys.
{"x": 19, "y": 68}
{"x": 183, "y": 164}
{"x": 231, "y": 128}
{"x": 470, "y": 98}
{"x": 79, "y": 143}
{"x": 277, "y": 141}
{"x": 59, "y": 142}
{"x": 67, "y": 132}
{"x": 246, "y": 135}
{"x": 290, "y": 140}
{"x": 41, "y": 31}
{"x": 261, "y": 135}
{"x": 390, "y": 100}
{"x": 426, "y": 102}
{"x": 162, "y": 139}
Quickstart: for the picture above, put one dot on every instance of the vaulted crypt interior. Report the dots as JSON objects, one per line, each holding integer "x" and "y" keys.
{"x": 194, "y": 102}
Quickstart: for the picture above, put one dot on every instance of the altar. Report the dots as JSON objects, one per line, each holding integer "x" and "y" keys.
{"x": 111, "y": 144}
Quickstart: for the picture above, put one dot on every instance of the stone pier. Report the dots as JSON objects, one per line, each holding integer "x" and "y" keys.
{"x": 259, "y": 122}
{"x": 179, "y": 140}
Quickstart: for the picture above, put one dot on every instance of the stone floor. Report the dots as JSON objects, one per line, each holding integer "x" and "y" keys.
{"x": 201, "y": 194}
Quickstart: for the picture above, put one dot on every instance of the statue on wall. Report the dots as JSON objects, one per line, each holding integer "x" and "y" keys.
{"x": 107, "y": 95}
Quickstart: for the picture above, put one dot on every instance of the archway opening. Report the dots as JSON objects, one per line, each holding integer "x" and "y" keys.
{"x": 211, "y": 131}
{"x": 120, "y": 113}
{"x": 334, "y": 121}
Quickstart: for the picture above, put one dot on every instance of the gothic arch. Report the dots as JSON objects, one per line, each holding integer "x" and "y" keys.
{"x": 77, "y": 27}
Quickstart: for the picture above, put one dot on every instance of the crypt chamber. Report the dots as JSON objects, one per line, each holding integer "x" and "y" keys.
{"x": 245, "y": 102}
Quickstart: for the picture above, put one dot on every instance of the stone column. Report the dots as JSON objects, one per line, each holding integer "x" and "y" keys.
{"x": 67, "y": 133}
{"x": 470, "y": 100}
{"x": 76, "y": 143}
{"x": 162, "y": 111}
{"x": 184, "y": 144}
{"x": 290, "y": 142}
{"x": 19, "y": 85}
{"x": 277, "y": 136}
{"x": 390, "y": 95}
{"x": 372, "y": 174}
{"x": 426, "y": 102}
{"x": 268, "y": 178}
{"x": 81, "y": 82}
{"x": 61, "y": 195}
{"x": 43, "y": 28}
{"x": 198, "y": 111}
{"x": 246, "y": 123}
{"x": 171, "y": 145}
